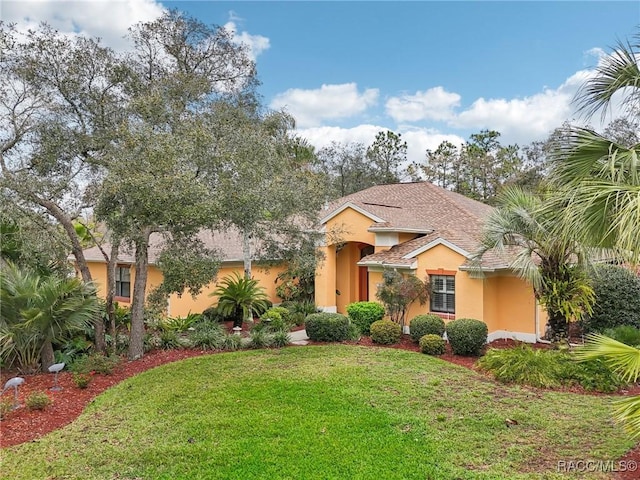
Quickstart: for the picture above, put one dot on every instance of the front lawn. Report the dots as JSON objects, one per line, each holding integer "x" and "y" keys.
{"x": 327, "y": 412}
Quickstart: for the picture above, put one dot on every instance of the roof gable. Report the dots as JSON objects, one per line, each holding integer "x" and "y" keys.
{"x": 434, "y": 243}
{"x": 352, "y": 206}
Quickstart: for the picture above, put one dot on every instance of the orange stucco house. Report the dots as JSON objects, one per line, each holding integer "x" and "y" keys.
{"x": 424, "y": 230}
{"x": 228, "y": 244}
{"x": 416, "y": 228}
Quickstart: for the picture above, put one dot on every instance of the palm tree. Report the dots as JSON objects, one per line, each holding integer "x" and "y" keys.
{"x": 521, "y": 230}
{"x": 39, "y": 311}
{"x": 599, "y": 184}
{"x": 625, "y": 360}
{"x": 240, "y": 297}
{"x": 599, "y": 179}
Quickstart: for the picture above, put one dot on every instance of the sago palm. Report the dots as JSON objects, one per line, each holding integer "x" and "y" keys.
{"x": 240, "y": 297}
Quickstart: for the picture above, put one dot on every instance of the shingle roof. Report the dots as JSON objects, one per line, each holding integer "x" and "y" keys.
{"x": 227, "y": 243}
{"x": 419, "y": 206}
{"x": 425, "y": 208}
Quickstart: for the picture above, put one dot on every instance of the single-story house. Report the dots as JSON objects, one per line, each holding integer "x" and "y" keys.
{"x": 424, "y": 230}
{"x": 228, "y": 245}
{"x": 416, "y": 228}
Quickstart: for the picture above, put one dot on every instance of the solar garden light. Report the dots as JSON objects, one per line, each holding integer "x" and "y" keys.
{"x": 14, "y": 382}
{"x": 55, "y": 368}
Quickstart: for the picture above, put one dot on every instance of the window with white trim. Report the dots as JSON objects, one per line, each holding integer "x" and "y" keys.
{"x": 123, "y": 282}
{"x": 443, "y": 293}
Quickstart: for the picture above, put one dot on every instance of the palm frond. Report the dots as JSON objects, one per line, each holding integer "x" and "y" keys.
{"x": 627, "y": 412}
{"x": 616, "y": 71}
{"x": 585, "y": 154}
{"x": 623, "y": 359}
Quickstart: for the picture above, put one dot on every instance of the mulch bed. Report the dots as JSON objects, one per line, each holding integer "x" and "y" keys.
{"x": 23, "y": 425}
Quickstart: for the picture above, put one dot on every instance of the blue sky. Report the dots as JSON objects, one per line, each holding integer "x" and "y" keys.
{"x": 432, "y": 71}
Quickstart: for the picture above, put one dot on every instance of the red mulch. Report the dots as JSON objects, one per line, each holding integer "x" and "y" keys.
{"x": 23, "y": 425}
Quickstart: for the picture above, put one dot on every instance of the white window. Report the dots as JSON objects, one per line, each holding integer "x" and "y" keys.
{"x": 443, "y": 293}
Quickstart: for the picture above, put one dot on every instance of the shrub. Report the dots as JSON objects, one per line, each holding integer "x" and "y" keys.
{"x": 385, "y": 332}
{"x": 281, "y": 339}
{"x": 273, "y": 321}
{"x": 363, "y": 314}
{"x": 82, "y": 380}
{"x": 212, "y": 315}
{"x": 594, "y": 374}
{"x": 467, "y": 336}
{"x": 122, "y": 342}
{"x": 37, "y": 401}
{"x": 284, "y": 313}
{"x": 6, "y": 406}
{"x": 327, "y": 327}
{"x": 259, "y": 339}
{"x": 298, "y": 318}
{"x": 208, "y": 337}
{"x": 428, "y": 324}
{"x": 277, "y": 319}
{"x": 271, "y": 315}
{"x": 617, "y": 303}
{"x": 97, "y": 363}
{"x": 354, "y": 333}
{"x": 304, "y": 307}
{"x": 625, "y": 334}
{"x": 398, "y": 292}
{"x": 432, "y": 344}
{"x": 181, "y": 324}
{"x": 151, "y": 341}
{"x": 523, "y": 365}
{"x": 548, "y": 369}
{"x": 232, "y": 342}
{"x": 169, "y": 340}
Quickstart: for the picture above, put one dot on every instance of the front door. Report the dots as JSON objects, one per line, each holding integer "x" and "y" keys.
{"x": 363, "y": 275}
{"x": 363, "y": 282}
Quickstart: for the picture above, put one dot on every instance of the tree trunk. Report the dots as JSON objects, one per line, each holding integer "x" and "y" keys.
{"x": 81, "y": 261}
{"x": 246, "y": 257}
{"x": 111, "y": 290}
{"x": 47, "y": 357}
{"x": 136, "y": 337}
{"x": 67, "y": 224}
{"x": 557, "y": 326}
{"x": 246, "y": 253}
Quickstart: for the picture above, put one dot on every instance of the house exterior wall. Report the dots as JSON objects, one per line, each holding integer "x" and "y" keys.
{"x": 469, "y": 291}
{"x": 325, "y": 288}
{"x": 510, "y": 307}
{"x": 181, "y": 306}
{"x": 352, "y": 227}
{"x": 504, "y": 302}
{"x": 338, "y": 271}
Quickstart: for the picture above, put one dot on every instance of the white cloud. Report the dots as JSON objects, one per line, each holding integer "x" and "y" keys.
{"x": 329, "y": 102}
{"x": 418, "y": 139}
{"x": 256, "y": 44}
{"x": 524, "y": 119}
{"x": 433, "y": 104}
{"x": 108, "y": 20}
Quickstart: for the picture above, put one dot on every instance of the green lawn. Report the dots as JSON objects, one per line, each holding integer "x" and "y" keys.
{"x": 331, "y": 412}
